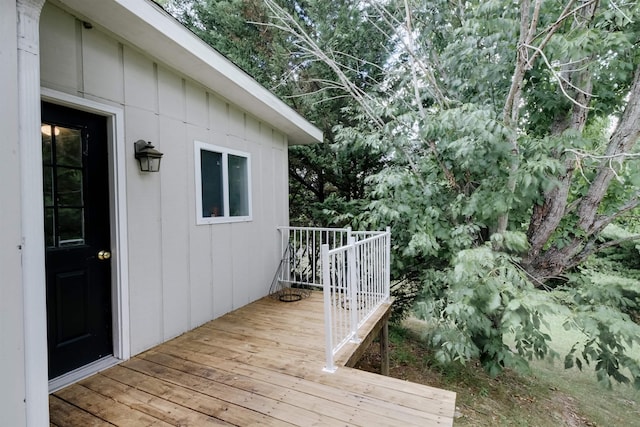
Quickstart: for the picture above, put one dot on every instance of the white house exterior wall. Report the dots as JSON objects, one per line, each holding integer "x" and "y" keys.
{"x": 12, "y": 370}
{"x": 180, "y": 275}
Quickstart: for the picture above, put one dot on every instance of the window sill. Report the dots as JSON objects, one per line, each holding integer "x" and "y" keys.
{"x": 223, "y": 220}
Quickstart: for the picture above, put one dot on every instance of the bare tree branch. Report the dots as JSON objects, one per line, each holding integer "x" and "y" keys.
{"x": 617, "y": 156}
{"x": 561, "y": 80}
{"x": 406, "y": 37}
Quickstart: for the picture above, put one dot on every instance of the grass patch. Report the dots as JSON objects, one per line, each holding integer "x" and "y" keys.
{"x": 618, "y": 406}
{"x": 549, "y": 396}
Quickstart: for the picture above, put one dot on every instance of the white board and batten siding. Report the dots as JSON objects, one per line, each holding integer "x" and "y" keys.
{"x": 180, "y": 274}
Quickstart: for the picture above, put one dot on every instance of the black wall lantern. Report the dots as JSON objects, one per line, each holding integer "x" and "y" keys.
{"x": 148, "y": 156}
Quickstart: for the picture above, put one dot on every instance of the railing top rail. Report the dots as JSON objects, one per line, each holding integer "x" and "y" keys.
{"x": 381, "y": 235}
{"x": 378, "y": 236}
{"x": 339, "y": 249}
{"x": 286, "y": 227}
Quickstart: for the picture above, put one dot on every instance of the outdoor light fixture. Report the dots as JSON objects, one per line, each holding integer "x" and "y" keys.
{"x": 148, "y": 156}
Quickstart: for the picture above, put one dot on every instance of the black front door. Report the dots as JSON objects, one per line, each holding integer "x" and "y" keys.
{"x": 77, "y": 237}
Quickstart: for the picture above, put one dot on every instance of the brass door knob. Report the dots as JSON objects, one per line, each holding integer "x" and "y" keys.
{"x": 104, "y": 255}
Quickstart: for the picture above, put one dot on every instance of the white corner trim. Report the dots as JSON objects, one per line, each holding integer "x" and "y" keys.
{"x": 33, "y": 258}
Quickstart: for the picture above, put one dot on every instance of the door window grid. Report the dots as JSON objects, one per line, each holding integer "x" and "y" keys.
{"x": 63, "y": 183}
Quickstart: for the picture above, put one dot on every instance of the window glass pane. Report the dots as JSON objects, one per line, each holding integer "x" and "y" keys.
{"x": 68, "y": 146}
{"x": 238, "y": 186}
{"x": 212, "y": 194}
{"x": 69, "y": 187}
{"x": 71, "y": 226}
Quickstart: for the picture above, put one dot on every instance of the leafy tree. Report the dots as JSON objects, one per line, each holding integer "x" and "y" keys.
{"x": 503, "y": 167}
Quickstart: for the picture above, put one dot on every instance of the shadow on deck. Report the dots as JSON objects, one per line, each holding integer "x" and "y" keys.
{"x": 258, "y": 365}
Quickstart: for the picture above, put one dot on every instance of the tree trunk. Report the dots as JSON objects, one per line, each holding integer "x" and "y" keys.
{"x": 511, "y": 110}
{"x": 544, "y": 264}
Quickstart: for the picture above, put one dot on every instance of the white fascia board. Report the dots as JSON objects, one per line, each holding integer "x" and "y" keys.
{"x": 143, "y": 24}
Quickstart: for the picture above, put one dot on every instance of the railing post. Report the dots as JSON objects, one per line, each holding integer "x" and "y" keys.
{"x": 353, "y": 289}
{"x": 284, "y": 237}
{"x": 387, "y": 265}
{"x": 327, "y": 290}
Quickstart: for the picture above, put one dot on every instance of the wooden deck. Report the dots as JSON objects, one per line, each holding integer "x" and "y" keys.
{"x": 259, "y": 365}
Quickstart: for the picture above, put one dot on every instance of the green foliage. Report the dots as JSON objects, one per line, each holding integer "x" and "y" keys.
{"x": 622, "y": 259}
{"x": 602, "y": 300}
{"x": 404, "y": 293}
{"x": 446, "y": 183}
{"x": 230, "y": 27}
{"x": 609, "y": 334}
{"x": 608, "y": 44}
{"x": 327, "y": 181}
{"x": 432, "y": 154}
{"x": 479, "y": 299}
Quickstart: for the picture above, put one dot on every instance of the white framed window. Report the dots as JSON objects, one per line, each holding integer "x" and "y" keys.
{"x": 223, "y": 184}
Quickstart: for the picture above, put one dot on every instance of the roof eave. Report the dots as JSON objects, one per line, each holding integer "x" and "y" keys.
{"x": 149, "y": 28}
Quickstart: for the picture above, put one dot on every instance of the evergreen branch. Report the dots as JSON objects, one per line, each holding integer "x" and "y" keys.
{"x": 301, "y": 180}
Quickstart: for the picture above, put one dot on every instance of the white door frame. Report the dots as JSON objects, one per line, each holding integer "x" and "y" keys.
{"x": 118, "y": 221}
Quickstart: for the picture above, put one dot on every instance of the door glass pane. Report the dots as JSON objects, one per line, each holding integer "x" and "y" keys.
{"x": 47, "y": 184}
{"x": 68, "y": 146}
{"x": 212, "y": 194}
{"x": 63, "y": 177}
{"x": 69, "y": 187}
{"x": 49, "y": 226}
{"x": 70, "y": 226}
{"x": 238, "y": 186}
{"x": 47, "y": 152}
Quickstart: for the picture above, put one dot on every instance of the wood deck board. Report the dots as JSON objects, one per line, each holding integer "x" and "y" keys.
{"x": 107, "y": 409}
{"x": 273, "y": 406}
{"x": 268, "y": 337}
{"x": 332, "y": 394}
{"x": 183, "y": 392}
{"x": 154, "y": 406}
{"x": 259, "y": 365}
{"x": 283, "y": 390}
{"x": 294, "y": 346}
{"x": 199, "y": 402}
{"x": 63, "y": 413}
{"x": 299, "y": 367}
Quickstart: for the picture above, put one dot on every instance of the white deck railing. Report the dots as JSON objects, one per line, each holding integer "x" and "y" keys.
{"x": 301, "y": 263}
{"x": 356, "y": 282}
{"x": 351, "y": 267}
